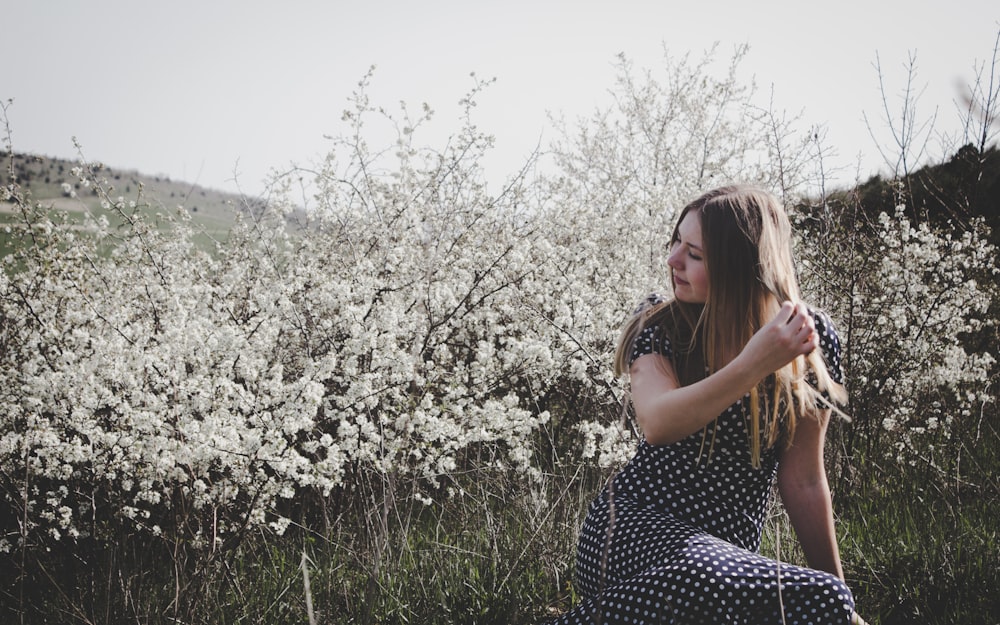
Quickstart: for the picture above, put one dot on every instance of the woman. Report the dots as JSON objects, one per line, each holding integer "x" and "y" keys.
{"x": 732, "y": 384}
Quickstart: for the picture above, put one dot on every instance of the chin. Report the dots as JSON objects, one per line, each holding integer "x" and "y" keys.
{"x": 687, "y": 298}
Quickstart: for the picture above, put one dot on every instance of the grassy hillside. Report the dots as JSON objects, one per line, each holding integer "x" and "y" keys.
{"x": 52, "y": 183}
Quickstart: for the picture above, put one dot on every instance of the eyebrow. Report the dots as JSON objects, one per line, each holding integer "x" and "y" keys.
{"x": 678, "y": 238}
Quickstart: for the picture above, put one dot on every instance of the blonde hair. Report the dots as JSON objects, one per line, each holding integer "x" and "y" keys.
{"x": 746, "y": 238}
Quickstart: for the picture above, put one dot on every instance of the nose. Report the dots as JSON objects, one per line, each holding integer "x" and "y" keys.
{"x": 675, "y": 257}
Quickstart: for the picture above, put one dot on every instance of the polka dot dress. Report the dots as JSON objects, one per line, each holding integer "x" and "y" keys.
{"x": 674, "y": 537}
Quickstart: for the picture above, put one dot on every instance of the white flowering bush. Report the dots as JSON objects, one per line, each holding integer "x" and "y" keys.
{"x": 133, "y": 376}
{"x": 412, "y": 318}
{"x": 909, "y": 298}
{"x": 215, "y": 386}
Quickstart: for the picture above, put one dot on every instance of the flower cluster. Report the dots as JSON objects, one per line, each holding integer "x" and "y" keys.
{"x": 911, "y": 297}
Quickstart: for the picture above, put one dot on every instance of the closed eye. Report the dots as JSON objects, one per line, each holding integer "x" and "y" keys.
{"x": 691, "y": 251}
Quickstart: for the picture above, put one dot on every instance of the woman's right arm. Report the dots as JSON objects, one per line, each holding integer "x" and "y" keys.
{"x": 668, "y": 412}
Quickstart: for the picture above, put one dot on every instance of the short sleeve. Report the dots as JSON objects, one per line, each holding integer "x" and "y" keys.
{"x": 650, "y": 341}
{"x": 651, "y": 300}
{"x": 829, "y": 344}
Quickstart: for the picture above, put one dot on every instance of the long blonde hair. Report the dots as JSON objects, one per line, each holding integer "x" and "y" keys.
{"x": 746, "y": 238}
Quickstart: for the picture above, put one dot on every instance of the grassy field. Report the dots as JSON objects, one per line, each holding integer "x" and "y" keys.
{"x": 51, "y": 183}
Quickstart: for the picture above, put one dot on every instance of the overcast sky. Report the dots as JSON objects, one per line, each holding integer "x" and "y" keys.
{"x": 201, "y": 89}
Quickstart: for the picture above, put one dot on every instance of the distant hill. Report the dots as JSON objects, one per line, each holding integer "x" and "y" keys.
{"x": 947, "y": 195}
{"x": 50, "y": 182}
{"x": 43, "y": 177}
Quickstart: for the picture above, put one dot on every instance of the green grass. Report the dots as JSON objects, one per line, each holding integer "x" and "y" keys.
{"x": 475, "y": 557}
{"x": 212, "y": 212}
{"x": 489, "y": 553}
{"x": 920, "y": 558}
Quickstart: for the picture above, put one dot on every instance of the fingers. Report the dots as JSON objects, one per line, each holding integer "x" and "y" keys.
{"x": 787, "y": 311}
{"x": 801, "y": 326}
{"x": 790, "y": 334}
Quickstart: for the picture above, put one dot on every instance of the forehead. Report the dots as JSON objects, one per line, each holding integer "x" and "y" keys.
{"x": 689, "y": 228}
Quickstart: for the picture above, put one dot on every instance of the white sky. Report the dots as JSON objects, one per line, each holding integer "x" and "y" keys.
{"x": 198, "y": 89}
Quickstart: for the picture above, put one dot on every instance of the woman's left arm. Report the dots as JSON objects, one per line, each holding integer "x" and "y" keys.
{"x": 805, "y": 493}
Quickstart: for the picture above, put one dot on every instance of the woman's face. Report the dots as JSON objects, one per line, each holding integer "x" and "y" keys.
{"x": 687, "y": 261}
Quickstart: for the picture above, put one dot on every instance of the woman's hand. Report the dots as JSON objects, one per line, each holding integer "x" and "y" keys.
{"x": 667, "y": 411}
{"x": 792, "y": 333}
{"x": 857, "y": 620}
